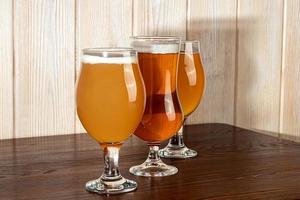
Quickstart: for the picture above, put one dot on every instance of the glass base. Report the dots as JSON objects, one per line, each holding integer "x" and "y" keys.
{"x": 110, "y": 187}
{"x": 153, "y": 169}
{"x": 180, "y": 153}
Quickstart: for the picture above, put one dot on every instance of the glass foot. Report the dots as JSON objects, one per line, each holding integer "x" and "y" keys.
{"x": 153, "y": 169}
{"x": 181, "y": 153}
{"x": 110, "y": 187}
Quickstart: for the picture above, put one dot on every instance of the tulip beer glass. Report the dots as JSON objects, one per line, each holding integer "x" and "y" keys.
{"x": 190, "y": 86}
{"x": 158, "y": 60}
{"x": 110, "y": 104}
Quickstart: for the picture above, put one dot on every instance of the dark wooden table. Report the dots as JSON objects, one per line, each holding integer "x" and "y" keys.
{"x": 233, "y": 163}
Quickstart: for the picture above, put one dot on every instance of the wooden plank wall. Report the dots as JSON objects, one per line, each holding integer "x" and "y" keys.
{"x": 156, "y": 17}
{"x": 6, "y": 69}
{"x": 290, "y": 83}
{"x": 44, "y": 60}
{"x": 249, "y": 50}
{"x": 214, "y": 24}
{"x": 259, "y": 64}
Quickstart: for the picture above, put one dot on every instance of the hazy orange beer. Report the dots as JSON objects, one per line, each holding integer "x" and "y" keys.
{"x": 190, "y": 81}
{"x": 190, "y": 86}
{"x": 110, "y": 98}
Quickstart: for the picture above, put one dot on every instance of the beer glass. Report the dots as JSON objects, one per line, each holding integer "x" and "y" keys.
{"x": 158, "y": 60}
{"x": 110, "y": 104}
{"x": 190, "y": 88}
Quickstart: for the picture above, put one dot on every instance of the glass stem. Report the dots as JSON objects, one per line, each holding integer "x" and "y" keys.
{"x": 153, "y": 156}
{"x": 176, "y": 141}
{"x": 111, "y": 164}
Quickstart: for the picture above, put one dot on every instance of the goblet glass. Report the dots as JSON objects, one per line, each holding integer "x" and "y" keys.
{"x": 110, "y": 104}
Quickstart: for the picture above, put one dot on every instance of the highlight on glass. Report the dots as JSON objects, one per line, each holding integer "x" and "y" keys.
{"x": 158, "y": 60}
{"x": 110, "y": 104}
{"x": 190, "y": 86}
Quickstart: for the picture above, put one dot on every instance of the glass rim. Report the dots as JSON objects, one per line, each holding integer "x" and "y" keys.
{"x": 190, "y": 46}
{"x": 156, "y": 38}
{"x": 108, "y": 50}
{"x": 190, "y": 41}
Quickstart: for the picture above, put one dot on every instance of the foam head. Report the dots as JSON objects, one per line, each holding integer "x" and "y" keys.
{"x": 109, "y": 56}
{"x": 156, "y": 45}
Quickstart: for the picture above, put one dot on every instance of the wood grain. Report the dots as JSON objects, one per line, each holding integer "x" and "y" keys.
{"x": 44, "y": 67}
{"x": 214, "y": 24}
{"x": 290, "y": 94}
{"x": 259, "y": 64}
{"x": 251, "y": 66}
{"x": 6, "y": 69}
{"x": 160, "y": 18}
{"x": 102, "y": 24}
{"x": 233, "y": 163}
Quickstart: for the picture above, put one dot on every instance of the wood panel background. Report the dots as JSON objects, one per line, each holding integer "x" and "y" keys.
{"x": 290, "y": 81}
{"x": 259, "y": 64}
{"x": 6, "y": 69}
{"x": 214, "y": 24}
{"x": 44, "y": 60}
{"x": 250, "y": 50}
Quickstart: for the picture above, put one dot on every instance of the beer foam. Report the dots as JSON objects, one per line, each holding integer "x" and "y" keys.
{"x": 156, "y": 48}
{"x": 93, "y": 59}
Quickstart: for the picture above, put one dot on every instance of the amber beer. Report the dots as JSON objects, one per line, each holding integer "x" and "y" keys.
{"x": 190, "y": 81}
{"x": 110, "y": 97}
{"x": 158, "y": 60}
{"x": 162, "y": 116}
